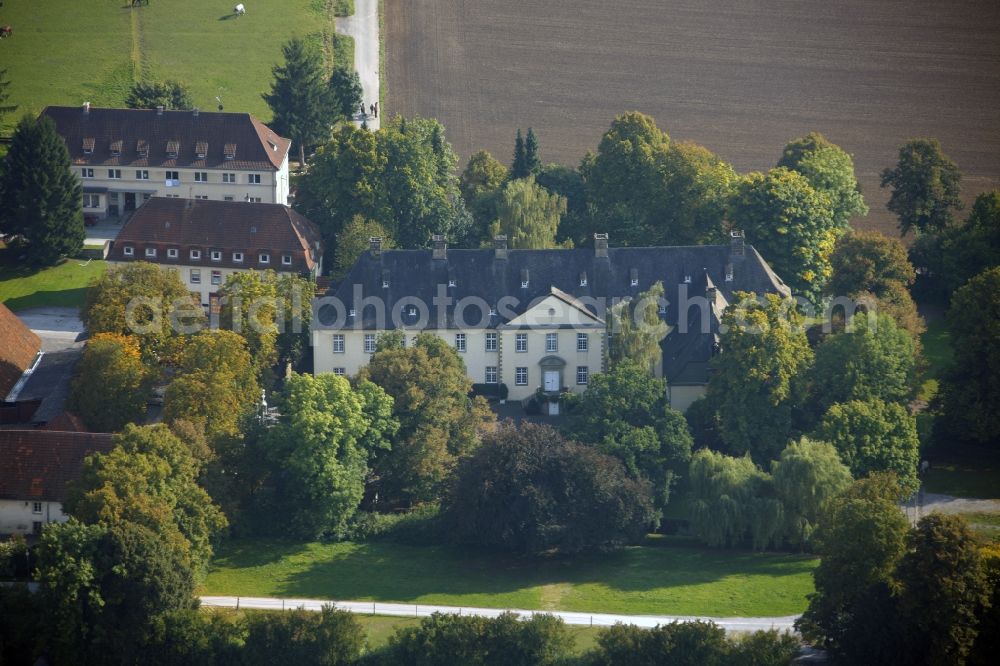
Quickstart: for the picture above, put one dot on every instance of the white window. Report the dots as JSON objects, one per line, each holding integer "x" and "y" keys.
{"x": 662, "y": 308}
{"x": 369, "y": 343}
{"x": 202, "y": 197}
{"x": 582, "y": 342}
{"x": 582, "y": 374}
{"x": 238, "y": 257}
{"x": 521, "y": 342}
{"x": 340, "y": 371}
{"x": 228, "y": 197}
{"x": 216, "y": 255}
{"x": 195, "y": 276}
{"x": 114, "y": 173}
{"x": 491, "y": 374}
{"x": 452, "y": 282}
{"x": 583, "y": 279}
{"x": 36, "y": 507}
{"x": 254, "y": 199}
{"x": 351, "y": 312}
{"x": 172, "y": 196}
{"x": 150, "y": 251}
{"x": 338, "y": 343}
{"x": 491, "y": 342}
{"x": 286, "y": 260}
{"x": 141, "y": 174}
{"x": 253, "y": 178}
{"x": 687, "y": 279}
{"x": 173, "y": 175}
{"x": 634, "y": 282}
{"x": 229, "y": 178}
{"x": 196, "y": 255}
{"x": 91, "y": 201}
{"x": 128, "y": 250}
{"x": 172, "y": 253}
{"x": 524, "y": 284}
{"x": 551, "y": 342}
{"x": 460, "y": 342}
{"x": 493, "y": 312}
{"x": 201, "y": 176}
{"x": 216, "y": 277}
{"x": 264, "y": 258}
{"x": 521, "y": 376}
{"x": 87, "y": 172}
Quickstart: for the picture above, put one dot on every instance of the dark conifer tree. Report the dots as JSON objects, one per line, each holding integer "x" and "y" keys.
{"x": 300, "y": 97}
{"x": 40, "y": 198}
{"x": 531, "y": 160}
{"x": 519, "y": 169}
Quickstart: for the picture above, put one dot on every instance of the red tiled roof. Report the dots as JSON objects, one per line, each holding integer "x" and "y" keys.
{"x": 131, "y": 130}
{"x": 67, "y": 422}
{"x": 18, "y": 347}
{"x": 229, "y": 226}
{"x": 38, "y": 464}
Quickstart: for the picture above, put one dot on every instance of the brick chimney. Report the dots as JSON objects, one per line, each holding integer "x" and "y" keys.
{"x": 440, "y": 247}
{"x": 601, "y": 245}
{"x": 375, "y": 243}
{"x": 500, "y": 246}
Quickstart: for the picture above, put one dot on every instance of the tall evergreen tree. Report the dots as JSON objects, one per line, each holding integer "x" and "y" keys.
{"x": 4, "y": 95}
{"x": 300, "y": 97}
{"x": 531, "y": 160}
{"x": 345, "y": 86}
{"x": 40, "y": 198}
{"x": 519, "y": 169}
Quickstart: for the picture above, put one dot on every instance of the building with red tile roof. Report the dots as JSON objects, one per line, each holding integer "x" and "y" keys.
{"x": 19, "y": 348}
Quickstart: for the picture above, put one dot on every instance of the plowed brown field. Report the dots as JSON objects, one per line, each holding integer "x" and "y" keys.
{"x": 741, "y": 77}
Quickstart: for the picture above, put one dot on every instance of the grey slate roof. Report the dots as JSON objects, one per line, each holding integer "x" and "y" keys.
{"x": 417, "y": 275}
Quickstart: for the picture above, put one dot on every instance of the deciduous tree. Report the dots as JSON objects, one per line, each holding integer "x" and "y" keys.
{"x": 636, "y": 330}
{"x": 111, "y": 383}
{"x": 353, "y": 241}
{"x": 867, "y": 261}
{"x": 151, "y": 94}
{"x": 480, "y": 185}
{"x": 828, "y": 169}
{"x": 925, "y": 187}
{"x": 528, "y": 214}
{"x": 40, "y": 197}
{"x": 806, "y": 477}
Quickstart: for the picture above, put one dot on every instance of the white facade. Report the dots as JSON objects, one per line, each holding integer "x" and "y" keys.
{"x": 111, "y": 191}
{"x": 554, "y": 346}
{"x": 28, "y": 516}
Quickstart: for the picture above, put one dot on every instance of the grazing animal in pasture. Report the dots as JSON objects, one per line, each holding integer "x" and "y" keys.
{"x": 239, "y": 9}
{"x": 6, "y": 31}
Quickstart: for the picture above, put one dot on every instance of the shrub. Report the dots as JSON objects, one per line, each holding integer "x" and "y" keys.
{"x": 418, "y": 526}
{"x": 14, "y": 557}
{"x": 328, "y": 638}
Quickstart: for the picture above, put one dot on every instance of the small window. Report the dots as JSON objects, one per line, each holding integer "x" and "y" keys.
{"x": 452, "y": 282}
{"x": 582, "y": 342}
{"x": 196, "y": 255}
{"x": 201, "y": 176}
{"x": 216, "y": 277}
{"x": 88, "y": 146}
{"x": 216, "y": 255}
{"x": 141, "y": 174}
{"x": 114, "y": 173}
{"x": 150, "y": 251}
{"x": 36, "y": 507}
{"x": 253, "y": 178}
{"x": 583, "y": 279}
{"x": 87, "y": 172}
{"x": 687, "y": 279}
{"x": 286, "y": 260}
{"x": 582, "y": 375}
{"x": 254, "y": 199}
{"x": 172, "y": 253}
{"x": 228, "y": 197}
{"x": 173, "y": 175}
{"x": 201, "y": 149}
{"x": 662, "y": 309}
{"x": 491, "y": 374}
{"x": 729, "y": 272}
{"x": 385, "y": 283}
{"x": 460, "y": 342}
{"x": 521, "y": 376}
{"x": 91, "y": 201}
{"x": 369, "y": 343}
{"x": 339, "y": 371}
{"x": 351, "y": 312}
{"x": 172, "y": 148}
{"x": 338, "y": 343}
{"x": 524, "y": 284}
{"x": 195, "y": 276}
{"x": 238, "y": 257}
{"x": 521, "y": 342}
{"x": 491, "y": 342}
{"x": 201, "y": 197}
{"x": 128, "y": 250}
{"x": 551, "y": 342}
{"x": 264, "y": 258}
{"x": 229, "y": 178}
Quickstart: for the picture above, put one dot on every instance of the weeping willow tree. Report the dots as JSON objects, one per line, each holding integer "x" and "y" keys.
{"x": 636, "y": 329}
{"x": 733, "y": 502}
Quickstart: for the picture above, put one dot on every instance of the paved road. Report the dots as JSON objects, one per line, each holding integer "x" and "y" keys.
{"x": 54, "y": 323}
{"x": 421, "y": 610}
{"x": 363, "y": 27}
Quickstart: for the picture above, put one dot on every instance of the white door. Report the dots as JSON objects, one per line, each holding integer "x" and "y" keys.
{"x": 551, "y": 380}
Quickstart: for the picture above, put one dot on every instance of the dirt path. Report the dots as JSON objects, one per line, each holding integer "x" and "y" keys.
{"x": 936, "y": 503}
{"x": 363, "y": 27}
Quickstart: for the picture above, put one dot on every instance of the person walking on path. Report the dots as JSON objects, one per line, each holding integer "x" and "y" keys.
{"x": 375, "y": 109}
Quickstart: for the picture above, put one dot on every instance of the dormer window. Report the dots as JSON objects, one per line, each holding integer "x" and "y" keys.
{"x": 238, "y": 257}
{"x": 352, "y": 312}
{"x": 172, "y": 148}
{"x": 452, "y": 282}
{"x": 128, "y": 251}
{"x": 385, "y": 279}
{"x": 151, "y": 252}
{"x": 88, "y": 146}
{"x": 634, "y": 277}
{"x": 583, "y": 279}
{"x": 264, "y": 258}
{"x": 286, "y": 259}
{"x": 411, "y": 310}
{"x": 524, "y": 278}
{"x": 196, "y": 255}
{"x": 201, "y": 149}
{"x": 172, "y": 253}
{"x": 729, "y": 272}
{"x": 116, "y": 148}
{"x": 493, "y": 312}
{"x": 687, "y": 279}
{"x": 216, "y": 255}
{"x": 142, "y": 148}
{"x": 662, "y": 309}
{"x": 229, "y": 151}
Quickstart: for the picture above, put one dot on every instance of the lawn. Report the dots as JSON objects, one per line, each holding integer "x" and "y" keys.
{"x": 69, "y": 52}
{"x": 936, "y": 342}
{"x": 964, "y": 471}
{"x": 63, "y": 285}
{"x": 985, "y": 525}
{"x": 658, "y": 580}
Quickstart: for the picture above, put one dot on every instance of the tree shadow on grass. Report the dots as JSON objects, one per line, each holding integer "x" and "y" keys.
{"x": 239, "y": 554}
{"x": 59, "y": 298}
